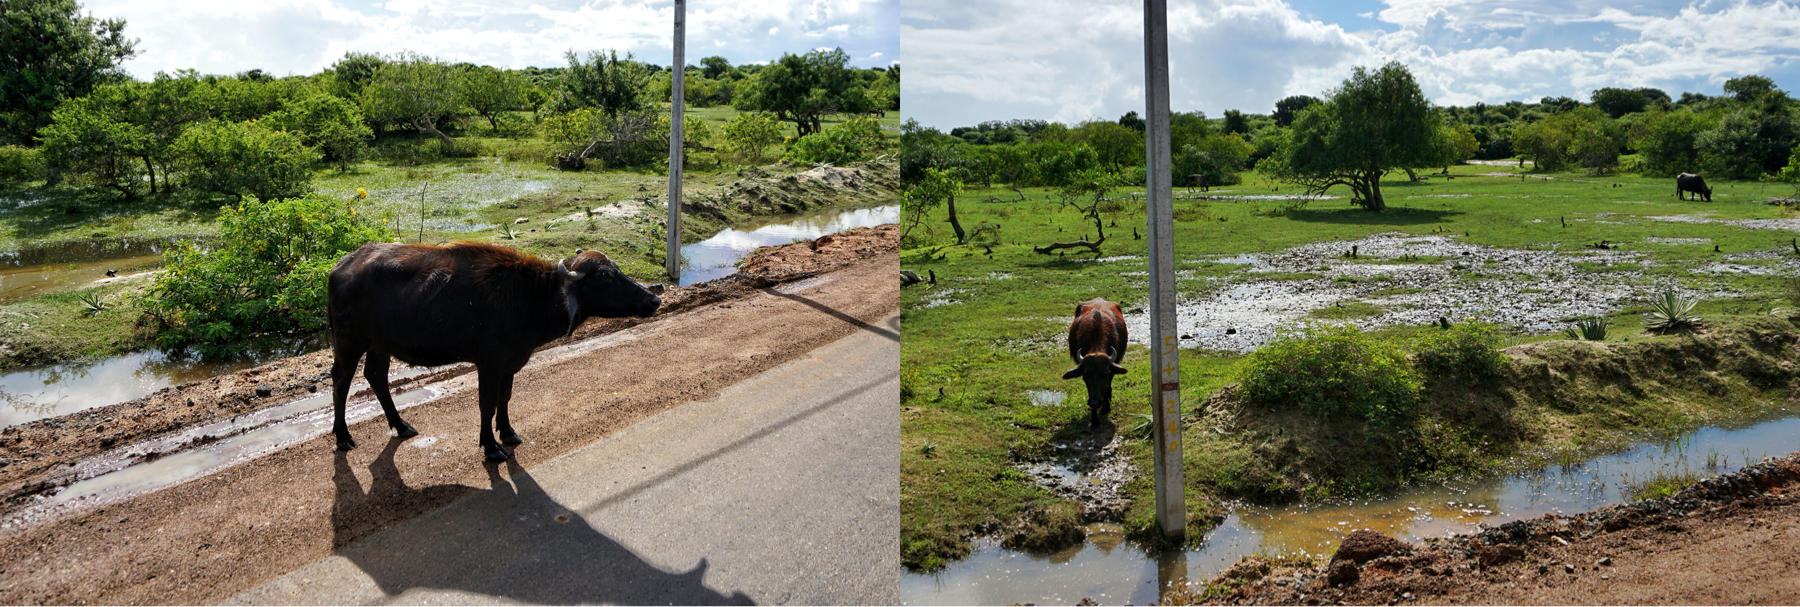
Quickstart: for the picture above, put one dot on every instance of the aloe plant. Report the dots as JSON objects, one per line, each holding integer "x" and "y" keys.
{"x": 1591, "y": 329}
{"x": 1671, "y": 312}
{"x": 94, "y": 301}
{"x": 507, "y": 232}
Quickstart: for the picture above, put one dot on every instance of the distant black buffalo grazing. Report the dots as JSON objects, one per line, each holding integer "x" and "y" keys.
{"x": 1689, "y": 182}
{"x": 466, "y": 302}
{"x": 1097, "y": 343}
{"x": 1197, "y": 180}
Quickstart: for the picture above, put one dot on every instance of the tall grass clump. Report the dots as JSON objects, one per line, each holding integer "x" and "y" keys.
{"x": 1333, "y": 371}
{"x": 1466, "y": 349}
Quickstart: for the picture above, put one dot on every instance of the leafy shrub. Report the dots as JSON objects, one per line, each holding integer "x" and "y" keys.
{"x": 1466, "y": 349}
{"x": 245, "y": 158}
{"x": 856, "y": 140}
{"x": 747, "y": 135}
{"x": 1333, "y": 371}
{"x": 267, "y": 276}
{"x": 19, "y": 164}
{"x": 330, "y": 124}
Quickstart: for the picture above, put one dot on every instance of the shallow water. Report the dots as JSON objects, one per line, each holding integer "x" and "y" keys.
{"x": 1111, "y": 572}
{"x": 28, "y": 273}
{"x": 717, "y": 257}
{"x": 35, "y": 393}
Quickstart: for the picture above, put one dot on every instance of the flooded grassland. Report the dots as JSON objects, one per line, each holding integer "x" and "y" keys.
{"x": 999, "y": 462}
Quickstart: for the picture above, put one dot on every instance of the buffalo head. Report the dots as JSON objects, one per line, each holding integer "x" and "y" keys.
{"x": 600, "y": 289}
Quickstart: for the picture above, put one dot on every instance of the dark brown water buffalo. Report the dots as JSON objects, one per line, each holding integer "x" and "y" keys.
{"x": 1197, "y": 180}
{"x": 466, "y": 302}
{"x": 1689, "y": 182}
{"x": 1097, "y": 343}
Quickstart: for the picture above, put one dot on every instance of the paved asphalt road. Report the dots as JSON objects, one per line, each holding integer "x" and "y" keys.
{"x": 781, "y": 489}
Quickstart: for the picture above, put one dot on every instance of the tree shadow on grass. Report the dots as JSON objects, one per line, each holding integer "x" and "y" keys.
{"x": 1393, "y": 216}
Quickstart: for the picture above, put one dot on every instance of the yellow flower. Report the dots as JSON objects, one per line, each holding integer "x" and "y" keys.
{"x": 361, "y": 193}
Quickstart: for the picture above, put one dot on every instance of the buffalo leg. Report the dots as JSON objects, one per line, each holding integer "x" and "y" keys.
{"x": 490, "y": 382}
{"x": 375, "y": 369}
{"x": 502, "y": 422}
{"x": 343, "y": 370}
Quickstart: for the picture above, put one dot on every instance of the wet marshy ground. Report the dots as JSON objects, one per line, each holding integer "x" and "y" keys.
{"x": 1112, "y": 571}
{"x": 1391, "y": 279}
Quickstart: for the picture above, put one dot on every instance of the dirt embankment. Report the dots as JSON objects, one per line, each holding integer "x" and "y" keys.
{"x": 758, "y": 193}
{"x": 1733, "y": 539}
{"x": 40, "y": 457}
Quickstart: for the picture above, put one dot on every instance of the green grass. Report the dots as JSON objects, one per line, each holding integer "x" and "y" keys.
{"x": 967, "y": 366}
{"x": 510, "y": 179}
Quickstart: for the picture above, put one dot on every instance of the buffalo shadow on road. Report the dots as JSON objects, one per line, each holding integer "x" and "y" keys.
{"x": 512, "y": 540}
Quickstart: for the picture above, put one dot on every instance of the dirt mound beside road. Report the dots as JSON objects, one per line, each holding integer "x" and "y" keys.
{"x": 1729, "y": 539}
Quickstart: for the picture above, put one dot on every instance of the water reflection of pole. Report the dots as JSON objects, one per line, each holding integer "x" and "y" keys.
{"x": 1171, "y": 572}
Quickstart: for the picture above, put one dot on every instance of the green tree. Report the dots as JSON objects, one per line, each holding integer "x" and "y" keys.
{"x": 715, "y": 67}
{"x": 1377, "y": 121}
{"x": 1667, "y": 142}
{"x": 50, "y": 52}
{"x": 245, "y": 159}
{"x": 416, "y": 89}
{"x": 1618, "y": 102}
{"x": 1236, "y": 122}
{"x": 856, "y": 140}
{"x": 490, "y": 91}
{"x": 354, "y": 72}
{"x": 1789, "y": 174}
{"x": 94, "y": 139}
{"x": 803, "y": 89}
{"x": 1289, "y": 108}
{"x": 1749, "y": 142}
{"x": 603, "y": 82}
{"x": 934, "y": 187}
{"x": 750, "y": 133}
{"x": 1551, "y": 142}
{"x": 329, "y": 123}
{"x": 1751, "y": 88}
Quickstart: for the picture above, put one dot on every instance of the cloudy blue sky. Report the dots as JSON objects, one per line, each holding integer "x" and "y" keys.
{"x": 974, "y": 60}
{"x": 304, "y": 36}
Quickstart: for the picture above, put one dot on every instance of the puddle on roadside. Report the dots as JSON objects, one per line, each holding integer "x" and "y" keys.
{"x": 35, "y": 393}
{"x": 717, "y": 257}
{"x": 1115, "y": 573}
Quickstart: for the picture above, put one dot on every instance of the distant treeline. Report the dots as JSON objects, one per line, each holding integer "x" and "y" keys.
{"x": 1747, "y": 133}
{"x": 68, "y": 111}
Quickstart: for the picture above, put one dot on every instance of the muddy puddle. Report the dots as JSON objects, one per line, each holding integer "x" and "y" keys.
{"x": 1112, "y": 571}
{"x": 34, "y": 393}
{"x": 1396, "y": 279}
{"x": 32, "y": 272}
{"x": 717, "y": 257}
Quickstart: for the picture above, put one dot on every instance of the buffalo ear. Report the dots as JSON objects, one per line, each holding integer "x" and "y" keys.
{"x": 579, "y": 251}
{"x": 1073, "y": 373}
{"x": 1118, "y": 370}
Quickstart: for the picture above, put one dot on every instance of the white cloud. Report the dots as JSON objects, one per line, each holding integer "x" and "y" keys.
{"x": 1070, "y": 61}
{"x": 303, "y": 36}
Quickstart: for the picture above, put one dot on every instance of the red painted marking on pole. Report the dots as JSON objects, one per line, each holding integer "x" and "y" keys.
{"x": 1171, "y": 386}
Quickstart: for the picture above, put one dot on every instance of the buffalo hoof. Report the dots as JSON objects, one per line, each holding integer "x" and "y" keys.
{"x": 510, "y": 438}
{"x": 496, "y": 453}
{"x": 405, "y": 430}
{"x": 346, "y": 443}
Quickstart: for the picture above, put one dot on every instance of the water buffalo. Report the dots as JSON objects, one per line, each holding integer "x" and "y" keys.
{"x": 1197, "y": 180}
{"x": 1097, "y": 343}
{"x": 466, "y": 302}
{"x": 1689, "y": 182}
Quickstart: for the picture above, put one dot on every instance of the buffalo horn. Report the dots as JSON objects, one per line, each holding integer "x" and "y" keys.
{"x": 563, "y": 267}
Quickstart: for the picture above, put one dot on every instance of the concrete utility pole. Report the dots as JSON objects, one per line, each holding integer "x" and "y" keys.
{"x": 1165, "y": 387}
{"x": 677, "y": 99}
